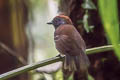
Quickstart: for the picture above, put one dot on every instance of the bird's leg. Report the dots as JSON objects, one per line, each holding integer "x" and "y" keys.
{"x": 59, "y": 55}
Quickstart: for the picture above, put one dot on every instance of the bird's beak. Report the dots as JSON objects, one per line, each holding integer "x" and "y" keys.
{"x": 49, "y": 23}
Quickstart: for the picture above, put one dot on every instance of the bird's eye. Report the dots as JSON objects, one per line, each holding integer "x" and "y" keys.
{"x": 56, "y": 21}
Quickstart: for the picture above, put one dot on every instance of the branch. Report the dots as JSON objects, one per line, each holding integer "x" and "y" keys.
{"x": 99, "y": 49}
{"x": 14, "y": 54}
{"x": 49, "y": 61}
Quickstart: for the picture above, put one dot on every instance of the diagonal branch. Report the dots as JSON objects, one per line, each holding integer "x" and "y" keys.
{"x": 49, "y": 61}
{"x": 14, "y": 54}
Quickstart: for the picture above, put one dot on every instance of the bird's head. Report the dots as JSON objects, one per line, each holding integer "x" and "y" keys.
{"x": 60, "y": 20}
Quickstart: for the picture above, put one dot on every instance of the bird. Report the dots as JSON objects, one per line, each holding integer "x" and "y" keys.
{"x": 70, "y": 43}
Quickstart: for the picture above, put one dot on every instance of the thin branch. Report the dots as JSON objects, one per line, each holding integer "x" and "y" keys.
{"x": 14, "y": 54}
{"x": 49, "y": 61}
{"x": 29, "y": 67}
{"x": 99, "y": 49}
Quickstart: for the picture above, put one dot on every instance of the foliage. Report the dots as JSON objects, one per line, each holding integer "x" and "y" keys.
{"x": 109, "y": 15}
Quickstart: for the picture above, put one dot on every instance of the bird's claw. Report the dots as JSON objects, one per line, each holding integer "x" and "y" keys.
{"x": 59, "y": 55}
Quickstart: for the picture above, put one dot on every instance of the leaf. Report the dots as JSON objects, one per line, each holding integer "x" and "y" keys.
{"x": 109, "y": 15}
{"x": 88, "y": 4}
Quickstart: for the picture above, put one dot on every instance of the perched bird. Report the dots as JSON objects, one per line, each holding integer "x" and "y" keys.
{"x": 69, "y": 42}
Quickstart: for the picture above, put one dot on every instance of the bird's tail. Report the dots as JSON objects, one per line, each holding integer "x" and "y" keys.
{"x": 75, "y": 63}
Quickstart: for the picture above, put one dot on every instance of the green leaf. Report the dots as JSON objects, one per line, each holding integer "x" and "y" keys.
{"x": 88, "y": 4}
{"x": 85, "y": 23}
{"x": 109, "y": 15}
{"x": 90, "y": 77}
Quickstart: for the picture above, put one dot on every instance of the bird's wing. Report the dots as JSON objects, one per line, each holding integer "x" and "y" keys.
{"x": 67, "y": 45}
{"x": 79, "y": 41}
{"x": 63, "y": 44}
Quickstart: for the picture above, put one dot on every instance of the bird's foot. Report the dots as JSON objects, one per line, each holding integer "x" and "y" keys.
{"x": 59, "y": 55}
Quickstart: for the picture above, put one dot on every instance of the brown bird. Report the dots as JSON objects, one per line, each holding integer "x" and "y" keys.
{"x": 69, "y": 42}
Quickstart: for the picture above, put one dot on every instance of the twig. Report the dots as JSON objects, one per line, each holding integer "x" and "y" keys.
{"x": 29, "y": 67}
{"x": 49, "y": 61}
{"x": 99, "y": 49}
{"x": 14, "y": 54}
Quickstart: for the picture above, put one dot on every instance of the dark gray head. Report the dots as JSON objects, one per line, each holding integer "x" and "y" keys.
{"x": 60, "y": 20}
